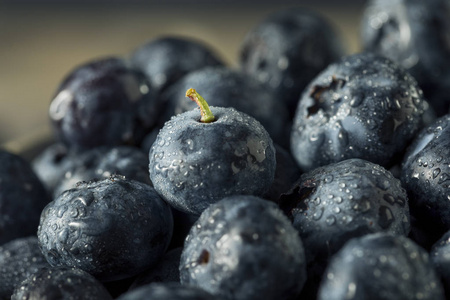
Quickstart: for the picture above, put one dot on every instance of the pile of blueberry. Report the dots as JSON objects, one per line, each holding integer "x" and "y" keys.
{"x": 306, "y": 173}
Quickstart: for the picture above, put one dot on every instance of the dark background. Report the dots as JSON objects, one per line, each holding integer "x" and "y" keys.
{"x": 41, "y": 41}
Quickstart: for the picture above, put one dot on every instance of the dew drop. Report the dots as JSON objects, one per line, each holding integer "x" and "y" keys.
{"x": 318, "y": 214}
{"x": 436, "y": 172}
{"x": 330, "y": 220}
{"x": 386, "y": 217}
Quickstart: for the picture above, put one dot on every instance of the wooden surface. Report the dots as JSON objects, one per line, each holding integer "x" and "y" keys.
{"x": 41, "y": 44}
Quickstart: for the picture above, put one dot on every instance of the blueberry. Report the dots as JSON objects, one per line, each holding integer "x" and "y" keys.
{"x": 113, "y": 228}
{"x": 103, "y": 102}
{"x": 19, "y": 259}
{"x": 101, "y": 163}
{"x": 167, "y": 291}
{"x": 194, "y": 164}
{"x": 363, "y": 106}
{"x": 332, "y": 204}
{"x": 426, "y": 174}
{"x": 244, "y": 247}
{"x": 440, "y": 256}
{"x": 166, "y": 59}
{"x": 381, "y": 266}
{"x": 167, "y": 270}
{"x": 60, "y": 284}
{"x": 22, "y": 197}
{"x": 287, "y": 49}
{"x": 415, "y": 34}
{"x": 225, "y": 87}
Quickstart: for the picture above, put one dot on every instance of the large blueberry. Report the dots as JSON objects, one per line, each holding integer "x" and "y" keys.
{"x": 332, "y": 204}
{"x": 60, "y": 284}
{"x": 381, "y": 266}
{"x": 225, "y": 87}
{"x": 101, "y": 163}
{"x": 166, "y": 59}
{"x": 194, "y": 164}
{"x": 103, "y": 102}
{"x": 363, "y": 106}
{"x": 113, "y": 228}
{"x": 22, "y": 197}
{"x": 287, "y": 49}
{"x": 243, "y": 248}
{"x": 415, "y": 34}
{"x": 426, "y": 174}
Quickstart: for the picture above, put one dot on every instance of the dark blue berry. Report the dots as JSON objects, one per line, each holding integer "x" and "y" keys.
{"x": 244, "y": 247}
{"x": 363, "y": 106}
{"x": 415, "y": 34}
{"x": 101, "y": 163}
{"x": 194, "y": 164}
{"x": 166, "y": 59}
{"x": 61, "y": 283}
{"x": 381, "y": 266}
{"x": 113, "y": 228}
{"x": 103, "y": 102}
{"x": 426, "y": 174}
{"x": 287, "y": 49}
{"x": 22, "y": 198}
{"x": 19, "y": 259}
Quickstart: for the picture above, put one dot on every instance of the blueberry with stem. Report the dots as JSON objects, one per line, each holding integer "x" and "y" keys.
{"x": 196, "y": 162}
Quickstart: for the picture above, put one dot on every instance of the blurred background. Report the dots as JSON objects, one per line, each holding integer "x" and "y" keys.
{"x": 41, "y": 41}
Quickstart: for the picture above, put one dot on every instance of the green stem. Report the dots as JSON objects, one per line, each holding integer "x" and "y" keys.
{"x": 207, "y": 116}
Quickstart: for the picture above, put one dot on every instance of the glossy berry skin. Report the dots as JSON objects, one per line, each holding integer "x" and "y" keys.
{"x": 363, "y": 106}
{"x": 225, "y": 87}
{"x": 195, "y": 164}
{"x": 381, "y": 266}
{"x": 334, "y": 203}
{"x": 166, "y": 59}
{"x": 440, "y": 256}
{"x": 19, "y": 259}
{"x": 101, "y": 163}
{"x": 103, "y": 102}
{"x": 426, "y": 174}
{"x": 113, "y": 228}
{"x": 287, "y": 49}
{"x": 22, "y": 198}
{"x": 168, "y": 291}
{"x": 244, "y": 247}
{"x": 61, "y": 283}
{"x": 414, "y": 34}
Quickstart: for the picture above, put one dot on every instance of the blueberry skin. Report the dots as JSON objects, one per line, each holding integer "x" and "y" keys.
{"x": 103, "y": 102}
{"x": 414, "y": 34}
{"x": 19, "y": 259}
{"x": 195, "y": 164}
{"x": 287, "y": 49}
{"x": 60, "y": 284}
{"x": 381, "y": 266}
{"x": 334, "y": 203}
{"x": 440, "y": 256}
{"x": 167, "y": 270}
{"x": 363, "y": 106}
{"x": 22, "y": 198}
{"x": 113, "y": 228}
{"x": 166, "y": 59}
{"x": 168, "y": 291}
{"x": 426, "y": 174}
{"x": 101, "y": 163}
{"x": 225, "y": 87}
{"x": 244, "y": 247}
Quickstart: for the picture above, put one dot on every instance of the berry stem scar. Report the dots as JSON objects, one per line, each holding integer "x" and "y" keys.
{"x": 207, "y": 116}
